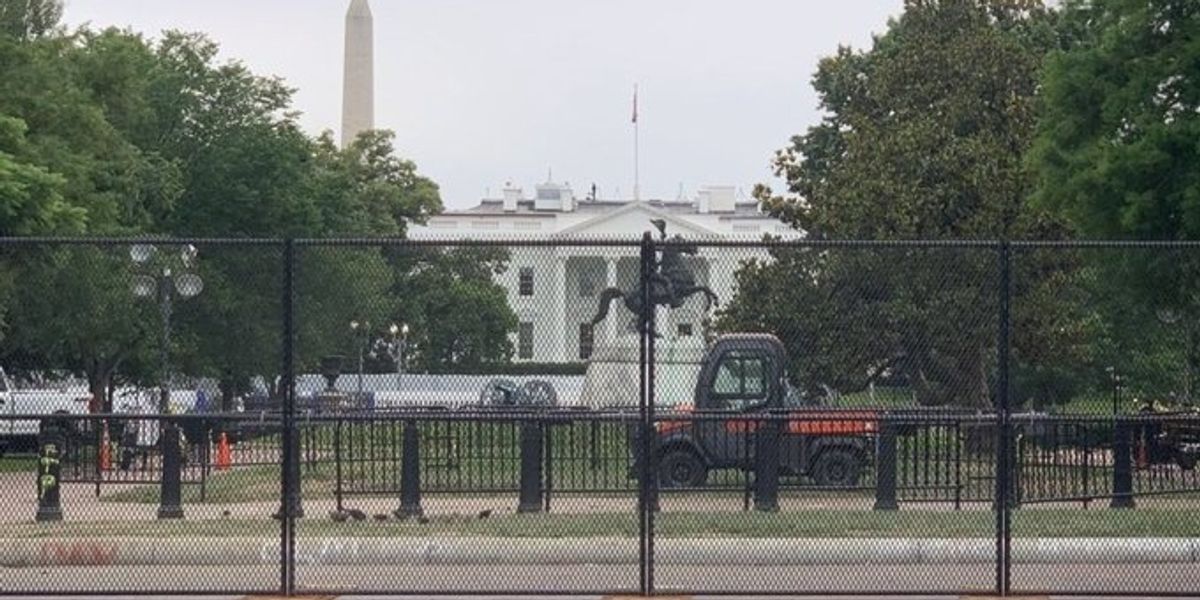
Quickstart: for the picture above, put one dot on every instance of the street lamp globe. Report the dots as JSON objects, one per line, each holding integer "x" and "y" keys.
{"x": 142, "y": 253}
{"x": 189, "y": 285}
{"x": 1167, "y": 316}
{"x": 143, "y": 286}
{"x": 188, "y": 255}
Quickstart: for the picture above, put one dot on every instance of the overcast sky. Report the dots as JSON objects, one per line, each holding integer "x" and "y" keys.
{"x": 480, "y": 92}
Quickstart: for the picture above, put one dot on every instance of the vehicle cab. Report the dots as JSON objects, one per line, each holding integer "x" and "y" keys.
{"x": 743, "y": 377}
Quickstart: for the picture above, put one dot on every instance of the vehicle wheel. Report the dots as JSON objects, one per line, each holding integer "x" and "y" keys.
{"x": 836, "y": 467}
{"x": 537, "y": 393}
{"x": 498, "y": 392}
{"x": 1187, "y": 462}
{"x": 681, "y": 468}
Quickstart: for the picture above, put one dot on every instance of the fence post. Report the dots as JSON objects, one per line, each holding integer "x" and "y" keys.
{"x": 885, "y": 467}
{"x": 548, "y": 462}
{"x": 49, "y": 471}
{"x": 410, "y": 473}
{"x": 766, "y": 466}
{"x": 337, "y": 466}
{"x": 531, "y": 468}
{"x": 289, "y": 501}
{"x": 647, "y": 499}
{"x": 1122, "y": 492}
{"x": 170, "y": 494}
{"x": 1004, "y": 426}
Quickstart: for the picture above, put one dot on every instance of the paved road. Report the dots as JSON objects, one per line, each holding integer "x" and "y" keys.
{"x": 535, "y": 579}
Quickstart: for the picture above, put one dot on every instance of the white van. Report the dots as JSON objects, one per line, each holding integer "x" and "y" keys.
{"x": 21, "y": 433}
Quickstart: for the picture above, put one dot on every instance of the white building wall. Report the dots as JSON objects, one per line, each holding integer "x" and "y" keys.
{"x": 557, "y": 306}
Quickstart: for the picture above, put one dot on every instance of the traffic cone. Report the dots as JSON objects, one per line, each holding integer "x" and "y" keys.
{"x": 105, "y": 449}
{"x": 223, "y": 457}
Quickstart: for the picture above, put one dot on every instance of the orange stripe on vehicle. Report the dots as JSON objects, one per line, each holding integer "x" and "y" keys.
{"x": 834, "y": 424}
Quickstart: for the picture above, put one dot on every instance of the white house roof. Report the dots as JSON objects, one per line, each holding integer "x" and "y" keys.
{"x": 632, "y": 219}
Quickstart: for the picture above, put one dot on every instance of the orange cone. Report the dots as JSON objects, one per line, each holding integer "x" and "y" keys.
{"x": 223, "y": 457}
{"x": 105, "y": 449}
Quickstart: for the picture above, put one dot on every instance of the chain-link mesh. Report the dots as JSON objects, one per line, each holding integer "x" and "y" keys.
{"x": 597, "y": 417}
{"x": 1106, "y": 434}
{"x": 830, "y": 386}
{"x": 457, "y": 440}
{"x": 139, "y": 468}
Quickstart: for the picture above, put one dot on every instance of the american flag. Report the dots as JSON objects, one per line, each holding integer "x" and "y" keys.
{"x": 635, "y": 104}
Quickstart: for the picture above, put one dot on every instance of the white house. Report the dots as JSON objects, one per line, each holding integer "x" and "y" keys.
{"x": 555, "y": 291}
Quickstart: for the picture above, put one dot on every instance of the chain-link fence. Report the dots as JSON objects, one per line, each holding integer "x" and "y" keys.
{"x": 604, "y": 417}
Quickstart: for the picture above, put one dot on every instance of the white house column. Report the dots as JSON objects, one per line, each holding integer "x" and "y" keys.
{"x": 556, "y": 329}
{"x": 612, "y": 323}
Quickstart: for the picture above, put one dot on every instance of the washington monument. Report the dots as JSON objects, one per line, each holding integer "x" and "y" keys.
{"x": 358, "y": 87}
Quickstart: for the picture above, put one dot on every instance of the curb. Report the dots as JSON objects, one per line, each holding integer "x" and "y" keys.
{"x": 357, "y": 551}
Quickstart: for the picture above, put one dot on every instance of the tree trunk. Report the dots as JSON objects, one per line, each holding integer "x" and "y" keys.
{"x": 227, "y": 392}
{"x": 99, "y": 376}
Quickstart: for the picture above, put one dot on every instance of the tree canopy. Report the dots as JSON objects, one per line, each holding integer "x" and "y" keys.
{"x": 108, "y": 132}
{"x": 1116, "y": 151}
{"x": 1116, "y": 156}
{"x": 924, "y": 137}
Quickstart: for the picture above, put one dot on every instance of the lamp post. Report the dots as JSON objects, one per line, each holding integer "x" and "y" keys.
{"x": 360, "y": 332}
{"x": 1171, "y": 317}
{"x": 158, "y": 280}
{"x": 1115, "y": 378}
{"x": 395, "y": 345}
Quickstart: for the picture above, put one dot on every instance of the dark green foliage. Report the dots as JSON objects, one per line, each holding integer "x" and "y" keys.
{"x": 923, "y": 138}
{"x": 110, "y": 133}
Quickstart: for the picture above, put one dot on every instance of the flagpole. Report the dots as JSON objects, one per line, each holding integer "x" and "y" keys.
{"x": 636, "y": 161}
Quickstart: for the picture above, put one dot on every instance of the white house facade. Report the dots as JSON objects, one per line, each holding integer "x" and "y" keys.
{"x": 555, "y": 290}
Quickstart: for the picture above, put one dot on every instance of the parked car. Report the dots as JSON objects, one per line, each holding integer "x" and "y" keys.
{"x": 21, "y": 434}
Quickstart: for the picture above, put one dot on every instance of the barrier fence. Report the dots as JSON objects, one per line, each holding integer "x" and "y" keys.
{"x": 598, "y": 417}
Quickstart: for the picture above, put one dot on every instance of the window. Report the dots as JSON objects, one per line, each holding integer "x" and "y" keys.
{"x": 741, "y": 381}
{"x": 586, "y": 340}
{"x": 684, "y": 329}
{"x": 588, "y": 282}
{"x": 526, "y": 281}
{"x": 525, "y": 340}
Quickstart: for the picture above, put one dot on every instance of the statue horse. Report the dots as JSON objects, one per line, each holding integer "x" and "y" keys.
{"x": 671, "y": 284}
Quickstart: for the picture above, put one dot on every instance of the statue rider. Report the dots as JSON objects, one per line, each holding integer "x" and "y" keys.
{"x": 660, "y": 286}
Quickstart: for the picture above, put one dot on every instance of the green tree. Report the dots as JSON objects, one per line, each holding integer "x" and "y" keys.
{"x": 923, "y": 138}
{"x": 1116, "y": 150}
{"x": 74, "y": 311}
{"x": 25, "y": 19}
{"x": 458, "y": 315}
{"x": 1116, "y": 157}
{"x": 111, "y": 133}
{"x": 30, "y": 196}
{"x": 106, "y": 178}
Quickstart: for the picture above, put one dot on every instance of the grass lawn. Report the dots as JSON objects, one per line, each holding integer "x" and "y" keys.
{"x": 246, "y": 484}
{"x": 797, "y": 524}
{"x": 18, "y": 464}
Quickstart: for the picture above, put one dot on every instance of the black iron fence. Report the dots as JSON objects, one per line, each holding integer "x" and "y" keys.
{"x": 370, "y": 416}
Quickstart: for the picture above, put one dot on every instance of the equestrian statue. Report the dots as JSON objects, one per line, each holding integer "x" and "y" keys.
{"x": 671, "y": 281}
